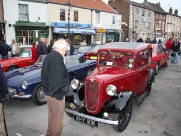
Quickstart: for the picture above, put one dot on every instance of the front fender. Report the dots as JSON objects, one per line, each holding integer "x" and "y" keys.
{"x": 151, "y": 76}
{"x": 121, "y": 101}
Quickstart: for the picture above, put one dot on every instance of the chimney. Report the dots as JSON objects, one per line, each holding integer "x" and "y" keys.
{"x": 158, "y": 3}
{"x": 176, "y": 12}
{"x": 170, "y": 10}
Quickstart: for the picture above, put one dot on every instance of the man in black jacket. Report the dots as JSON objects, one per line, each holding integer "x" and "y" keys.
{"x": 3, "y": 92}
{"x": 175, "y": 48}
{"x": 55, "y": 81}
{"x": 41, "y": 47}
{"x": 4, "y": 49}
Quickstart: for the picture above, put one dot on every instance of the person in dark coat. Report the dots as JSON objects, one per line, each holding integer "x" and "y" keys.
{"x": 175, "y": 48}
{"x": 50, "y": 46}
{"x": 3, "y": 92}
{"x": 148, "y": 40}
{"x": 41, "y": 47}
{"x": 4, "y": 49}
{"x": 154, "y": 41}
{"x": 55, "y": 81}
{"x": 140, "y": 40}
{"x": 70, "y": 47}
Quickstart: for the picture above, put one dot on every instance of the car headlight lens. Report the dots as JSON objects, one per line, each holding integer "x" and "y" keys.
{"x": 111, "y": 90}
{"x": 75, "y": 83}
{"x": 24, "y": 85}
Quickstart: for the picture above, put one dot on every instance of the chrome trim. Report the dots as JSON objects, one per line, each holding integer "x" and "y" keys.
{"x": 81, "y": 67}
{"x": 22, "y": 97}
{"x": 33, "y": 82}
{"x": 92, "y": 118}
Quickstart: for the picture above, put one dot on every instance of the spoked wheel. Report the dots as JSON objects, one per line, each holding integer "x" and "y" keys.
{"x": 123, "y": 118}
{"x": 156, "y": 69}
{"x": 38, "y": 95}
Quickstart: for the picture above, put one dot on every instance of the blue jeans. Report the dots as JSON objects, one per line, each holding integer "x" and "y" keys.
{"x": 175, "y": 59}
{"x": 5, "y": 57}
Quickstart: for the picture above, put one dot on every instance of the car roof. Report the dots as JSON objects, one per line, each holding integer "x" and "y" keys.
{"x": 129, "y": 46}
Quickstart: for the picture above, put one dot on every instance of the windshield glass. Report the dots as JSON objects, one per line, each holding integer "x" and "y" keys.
{"x": 26, "y": 53}
{"x": 84, "y": 49}
{"x": 96, "y": 48}
{"x": 119, "y": 59}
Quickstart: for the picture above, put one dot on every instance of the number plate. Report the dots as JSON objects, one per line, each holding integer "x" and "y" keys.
{"x": 89, "y": 122}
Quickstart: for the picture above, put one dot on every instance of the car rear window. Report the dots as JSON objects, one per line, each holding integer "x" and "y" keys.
{"x": 118, "y": 59}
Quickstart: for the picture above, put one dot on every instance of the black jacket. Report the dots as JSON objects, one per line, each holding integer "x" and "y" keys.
{"x": 72, "y": 49}
{"x": 4, "y": 49}
{"x": 41, "y": 49}
{"x": 54, "y": 75}
{"x": 3, "y": 85}
{"x": 175, "y": 46}
{"x": 49, "y": 48}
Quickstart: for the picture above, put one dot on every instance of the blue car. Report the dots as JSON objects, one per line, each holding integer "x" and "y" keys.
{"x": 25, "y": 83}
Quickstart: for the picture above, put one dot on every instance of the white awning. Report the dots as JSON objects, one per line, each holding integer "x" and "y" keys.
{"x": 74, "y": 30}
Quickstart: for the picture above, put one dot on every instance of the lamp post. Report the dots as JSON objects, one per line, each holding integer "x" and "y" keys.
{"x": 69, "y": 5}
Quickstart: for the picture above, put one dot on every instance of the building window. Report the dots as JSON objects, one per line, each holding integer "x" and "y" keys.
{"x": 149, "y": 14}
{"x": 160, "y": 16}
{"x": 113, "y": 20}
{"x": 136, "y": 23}
{"x": 148, "y": 25}
{"x": 143, "y": 25}
{"x": 143, "y": 13}
{"x": 160, "y": 24}
{"x": 76, "y": 15}
{"x": 23, "y": 12}
{"x": 137, "y": 11}
{"x": 163, "y": 16}
{"x": 25, "y": 36}
{"x": 156, "y": 15}
{"x": 163, "y": 25}
{"x": 62, "y": 14}
{"x": 97, "y": 18}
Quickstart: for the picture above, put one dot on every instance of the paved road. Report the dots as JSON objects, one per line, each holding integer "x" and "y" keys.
{"x": 159, "y": 114}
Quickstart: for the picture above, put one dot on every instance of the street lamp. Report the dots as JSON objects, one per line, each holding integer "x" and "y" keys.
{"x": 69, "y": 6}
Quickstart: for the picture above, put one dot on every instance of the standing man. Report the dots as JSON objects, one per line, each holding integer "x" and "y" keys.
{"x": 4, "y": 49}
{"x": 3, "y": 92}
{"x": 55, "y": 81}
{"x": 168, "y": 46}
{"x": 41, "y": 47}
{"x": 14, "y": 48}
{"x": 175, "y": 48}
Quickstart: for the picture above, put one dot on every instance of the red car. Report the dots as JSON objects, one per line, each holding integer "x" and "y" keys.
{"x": 159, "y": 57}
{"x": 122, "y": 77}
{"x": 93, "y": 53}
{"x": 23, "y": 60}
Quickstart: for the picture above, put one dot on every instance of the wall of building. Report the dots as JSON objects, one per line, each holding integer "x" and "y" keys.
{"x": 11, "y": 15}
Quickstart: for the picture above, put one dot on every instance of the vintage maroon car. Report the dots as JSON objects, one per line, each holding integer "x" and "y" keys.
{"x": 122, "y": 77}
{"x": 159, "y": 57}
{"x": 92, "y": 54}
{"x": 23, "y": 60}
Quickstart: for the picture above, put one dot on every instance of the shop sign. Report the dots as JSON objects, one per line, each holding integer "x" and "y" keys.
{"x": 101, "y": 30}
{"x": 30, "y": 23}
{"x": 113, "y": 30}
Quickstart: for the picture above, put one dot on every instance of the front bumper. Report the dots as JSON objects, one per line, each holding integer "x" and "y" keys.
{"x": 106, "y": 121}
{"x": 13, "y": 94}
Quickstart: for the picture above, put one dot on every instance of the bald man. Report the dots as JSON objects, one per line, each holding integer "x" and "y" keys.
{"x": 55, "y": 81}
{"x": 41, "y": 47}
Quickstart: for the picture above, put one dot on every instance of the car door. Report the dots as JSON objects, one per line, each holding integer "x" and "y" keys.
{"x": 141, "y": 72}
{"x": 163, "y": 56}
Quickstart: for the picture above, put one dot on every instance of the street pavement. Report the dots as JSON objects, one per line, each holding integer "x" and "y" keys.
{"x": 158, "y": 115}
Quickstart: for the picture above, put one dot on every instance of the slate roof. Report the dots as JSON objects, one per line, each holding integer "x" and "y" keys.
{"x": 88, "y": 4}
{"x": 138, "y": 4}
{"x": 154, "y": 7}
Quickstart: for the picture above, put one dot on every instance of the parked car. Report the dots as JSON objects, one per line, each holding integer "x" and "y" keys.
{"x": 122, "y": 77}
{"x": 23, "y": 60}
{"x": 25, "y": 83}
{"x": 82, "y": 49}
{"x": 93, "y": 53}
{"x": 159, "y": 57}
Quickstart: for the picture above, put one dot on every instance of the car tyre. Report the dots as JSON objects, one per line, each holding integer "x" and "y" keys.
{"x": 150, "y": 86}
{"x": 38, "y": 95}
{"x": 67, "y": 107}
{"x": 166, "y": 64}
{"x": 156, "y": 69}
{"x": 123, "y": 118}
{"x": 11, "y": 68}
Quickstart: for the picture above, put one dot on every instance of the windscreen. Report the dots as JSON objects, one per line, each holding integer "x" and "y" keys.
{"x": 117, "y": 59}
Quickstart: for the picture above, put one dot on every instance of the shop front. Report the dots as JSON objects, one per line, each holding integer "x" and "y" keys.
{"x": 27, "y": 32}
{"x": 77, "y": 32}
{"x": 113, "y": 34}
{"x": 99, "y": 38}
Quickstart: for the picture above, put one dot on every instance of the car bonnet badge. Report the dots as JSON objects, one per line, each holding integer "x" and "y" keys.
{"x": 92, "y": 79}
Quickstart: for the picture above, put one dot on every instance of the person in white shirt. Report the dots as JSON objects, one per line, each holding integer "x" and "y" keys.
{"x": 14, "y": 48}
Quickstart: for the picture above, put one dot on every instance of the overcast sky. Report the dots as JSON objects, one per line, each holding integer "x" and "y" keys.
{"x": 165, "y": 4}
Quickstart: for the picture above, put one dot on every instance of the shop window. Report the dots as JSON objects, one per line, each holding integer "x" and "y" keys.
{"x": 25, "y": 36}
{"x": 76, "y": 15}
{"x": 23, "y": 12}
{"x": 113, "y": 20}
{"x": 62, "y": 14}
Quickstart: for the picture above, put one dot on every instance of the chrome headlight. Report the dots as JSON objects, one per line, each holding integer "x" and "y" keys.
{"x": 75, "y": 84}
{"x": 24, "y": 85}
{"x": 111, "y": 90}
